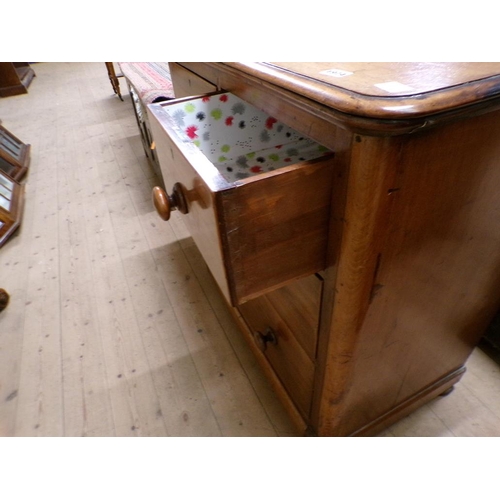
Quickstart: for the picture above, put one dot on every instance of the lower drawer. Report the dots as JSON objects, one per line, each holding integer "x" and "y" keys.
{"x": 284, "y": 324}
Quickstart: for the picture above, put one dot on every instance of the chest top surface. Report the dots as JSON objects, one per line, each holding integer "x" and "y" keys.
{"x": 385, "y": 90}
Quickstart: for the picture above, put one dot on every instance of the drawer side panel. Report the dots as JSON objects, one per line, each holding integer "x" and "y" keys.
{"x": 201, "y": 220}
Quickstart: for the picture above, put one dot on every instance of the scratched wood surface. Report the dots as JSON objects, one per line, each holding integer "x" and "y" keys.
{"x": 115, "y": 326}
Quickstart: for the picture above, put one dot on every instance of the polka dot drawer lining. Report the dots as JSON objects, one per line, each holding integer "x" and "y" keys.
{"x": 239, "y": 139}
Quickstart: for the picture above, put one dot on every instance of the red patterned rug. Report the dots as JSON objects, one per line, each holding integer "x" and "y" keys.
{"x": 151, "y": 80}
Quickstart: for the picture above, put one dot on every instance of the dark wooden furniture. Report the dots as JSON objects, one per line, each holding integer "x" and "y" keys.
{"x": 15, "y": 78}
{"x": 490, "y": 343}
{"x": 113, "y": 79}
{"x": 14, "y": 155}
{"x": 4, "y": 299}
{"x": 379, "y": 312}
{"x": 11, "y": 206}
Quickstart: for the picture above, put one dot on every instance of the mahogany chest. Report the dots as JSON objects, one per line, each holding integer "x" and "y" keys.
{"x": 350, "y": 213}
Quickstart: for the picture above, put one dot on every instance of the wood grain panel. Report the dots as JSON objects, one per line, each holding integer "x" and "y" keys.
{"x": 187, "y": 83}
{"x": 427, "y": 276}
{"x": 416, "y": 89}
{"x": 275, "y": 228}
{"x": 298, "y": 304}
{"x": 291, "y": 362}
{"x": 314, "y": 102}
{"x": 365, "y": 78}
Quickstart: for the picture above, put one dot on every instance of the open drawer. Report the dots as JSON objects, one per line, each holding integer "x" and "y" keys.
{"x": 255, "y": 194}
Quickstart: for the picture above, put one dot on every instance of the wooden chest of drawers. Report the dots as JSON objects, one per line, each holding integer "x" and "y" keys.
{"x": 362, "y": 277}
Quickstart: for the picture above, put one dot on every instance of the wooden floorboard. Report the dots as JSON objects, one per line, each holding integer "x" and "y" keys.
{"x": 115, "y": 326}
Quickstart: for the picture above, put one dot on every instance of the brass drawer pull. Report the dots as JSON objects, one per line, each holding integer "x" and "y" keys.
{"x": 164, "y": 203}
{"x": 262, "y": 339}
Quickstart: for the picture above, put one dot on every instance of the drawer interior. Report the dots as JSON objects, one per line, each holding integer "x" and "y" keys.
{"x": 240, "y": 140}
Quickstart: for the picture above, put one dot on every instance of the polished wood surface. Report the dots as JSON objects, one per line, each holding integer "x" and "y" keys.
{"x": 430, "y": 279}
{"x": 275, "y": 228}
{"x": 433, "y": 87}
{"x": 412, "y": 275}
{"x": 388, "y": 113}
{"x": 15, "y": 78}
{"x": 162, "y": 203}
{"x": 371, "y": 79}
{"x": 165, "y": 204}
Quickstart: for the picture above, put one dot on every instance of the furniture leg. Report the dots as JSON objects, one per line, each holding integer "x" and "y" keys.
{"x": 4, "y": 299}
{"x": 113, "y": 78}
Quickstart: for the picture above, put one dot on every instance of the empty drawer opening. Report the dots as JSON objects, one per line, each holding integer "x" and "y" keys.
{"x": 240, "y": 140}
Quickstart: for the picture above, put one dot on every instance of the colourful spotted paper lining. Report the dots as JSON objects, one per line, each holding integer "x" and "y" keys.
{"x": 239, "y": 139}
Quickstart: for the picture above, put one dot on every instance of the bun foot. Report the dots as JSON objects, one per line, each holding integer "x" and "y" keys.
{"x": 448, "y": 391}
{"x": 4, "y": 299}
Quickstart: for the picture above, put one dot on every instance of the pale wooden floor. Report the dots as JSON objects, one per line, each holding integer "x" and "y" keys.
{"x": 115, "y": 327}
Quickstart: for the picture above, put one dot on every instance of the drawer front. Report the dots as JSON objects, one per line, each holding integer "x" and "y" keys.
{"x": 291, "y": 314}
{"x": 186, "y": 83}
{"x": 256, "y": 232}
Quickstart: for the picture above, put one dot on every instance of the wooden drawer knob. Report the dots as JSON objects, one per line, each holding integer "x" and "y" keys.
{"x": 165, "y": 203}
{"x": 261, "y": 339}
